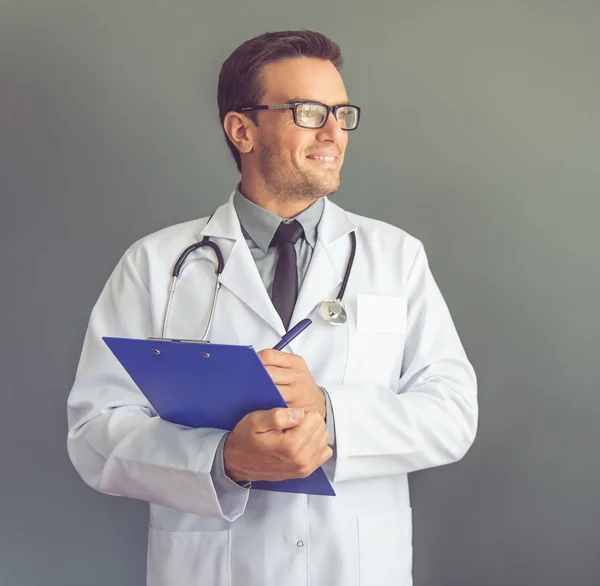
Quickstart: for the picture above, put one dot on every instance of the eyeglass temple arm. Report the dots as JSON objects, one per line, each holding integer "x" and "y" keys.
{"x": 275, "y": 107}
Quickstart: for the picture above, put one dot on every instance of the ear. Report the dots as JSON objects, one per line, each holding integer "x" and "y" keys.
{"x": 239, "y": 130}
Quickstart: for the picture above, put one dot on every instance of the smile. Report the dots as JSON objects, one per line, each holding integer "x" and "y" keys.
{"x": 326, "y": 159}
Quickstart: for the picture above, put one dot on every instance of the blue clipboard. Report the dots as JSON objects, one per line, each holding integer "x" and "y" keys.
{"x": 207, "y": 385}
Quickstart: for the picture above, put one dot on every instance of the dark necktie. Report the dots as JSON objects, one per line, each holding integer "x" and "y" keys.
{"x": 285, "y": 283}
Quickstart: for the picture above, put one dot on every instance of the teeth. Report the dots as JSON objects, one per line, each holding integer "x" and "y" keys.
{"x": 329, "y": 159}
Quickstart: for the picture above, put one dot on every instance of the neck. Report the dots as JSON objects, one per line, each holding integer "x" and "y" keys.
{"x": 274, "y": 203}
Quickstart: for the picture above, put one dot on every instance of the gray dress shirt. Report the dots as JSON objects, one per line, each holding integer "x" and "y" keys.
{"x": 258, "y": 227}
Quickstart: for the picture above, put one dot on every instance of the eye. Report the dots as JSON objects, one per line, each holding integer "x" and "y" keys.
{"x": 310, "y": 114}
{"x": 347, "y": 116}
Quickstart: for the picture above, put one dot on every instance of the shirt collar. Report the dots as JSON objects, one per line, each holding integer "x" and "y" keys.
{"x": 260, "y": 224}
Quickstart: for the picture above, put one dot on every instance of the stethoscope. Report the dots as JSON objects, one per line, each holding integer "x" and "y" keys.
{"x": 332, "y": 311}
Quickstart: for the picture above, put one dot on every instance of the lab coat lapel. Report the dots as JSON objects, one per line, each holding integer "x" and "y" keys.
{"x": 328, "y": 263}
{"x": 240, "y": 274}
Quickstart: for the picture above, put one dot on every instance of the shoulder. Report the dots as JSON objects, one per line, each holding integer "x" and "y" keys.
{"x": 159, "y": 251}
{"x": 384, "y": 252}
{"x": 171, "y": 237}
{"x": 372, "y": 228}
{"x": 384, "y": 238}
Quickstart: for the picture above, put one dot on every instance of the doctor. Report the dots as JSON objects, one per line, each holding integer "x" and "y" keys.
{"x": 386, "y": 392}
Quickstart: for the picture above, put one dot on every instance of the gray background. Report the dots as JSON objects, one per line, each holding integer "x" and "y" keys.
{"x": 480, "y": 136}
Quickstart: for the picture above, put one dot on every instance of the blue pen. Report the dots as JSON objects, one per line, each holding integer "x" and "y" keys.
{"x": 287, "y": 338}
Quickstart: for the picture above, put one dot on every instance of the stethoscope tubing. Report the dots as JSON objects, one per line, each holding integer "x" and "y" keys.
{"x": 349, "y": 266}
{"x": 175, "y": 275}
{"x": 219, "y": 269}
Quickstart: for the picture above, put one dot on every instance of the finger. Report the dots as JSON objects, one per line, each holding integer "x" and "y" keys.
{"x": 321, "y": 437}
{"x": 325, "y": 455}
{"x": 287, "y": 393}
{"x": 321, "y": 442}
{"x": 270, "y": 357}
{"x": 309, "y": 430}
{"x": 278, "y": 419}
{"x": 316, "y": 448}
{"x": 282, "y": 376}
{"x": 291, "y": 398}
{"x": 324, "y": 439}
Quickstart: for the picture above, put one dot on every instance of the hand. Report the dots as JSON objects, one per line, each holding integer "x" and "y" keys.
{"x": 278, "y": 444}
{"x": 294, "y": 381}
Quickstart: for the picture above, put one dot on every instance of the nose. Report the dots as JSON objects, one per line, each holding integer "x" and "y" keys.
{"x": 332, "y": 131}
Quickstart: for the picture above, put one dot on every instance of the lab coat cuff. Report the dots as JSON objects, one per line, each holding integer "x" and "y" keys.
{"x": 344, "y": 406}
{"x": 231, "y": 495}
{"x": 329, "y": 420}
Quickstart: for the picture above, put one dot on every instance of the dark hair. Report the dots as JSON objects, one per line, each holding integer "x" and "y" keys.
{"x": 240, "y": 80}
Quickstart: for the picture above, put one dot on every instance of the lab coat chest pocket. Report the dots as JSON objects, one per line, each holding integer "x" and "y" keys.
{"x": 376, "y": 337}
{"x": 188, "y": 558}
{"x": 385, "y": 549}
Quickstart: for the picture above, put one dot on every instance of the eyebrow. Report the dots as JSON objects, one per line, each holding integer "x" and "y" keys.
{"x": 290, "y": 101}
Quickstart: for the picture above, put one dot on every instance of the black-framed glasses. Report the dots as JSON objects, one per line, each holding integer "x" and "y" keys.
{"x": 314, "y": 114}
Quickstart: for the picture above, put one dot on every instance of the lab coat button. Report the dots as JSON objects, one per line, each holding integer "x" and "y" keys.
{"x": 300, "y": 544}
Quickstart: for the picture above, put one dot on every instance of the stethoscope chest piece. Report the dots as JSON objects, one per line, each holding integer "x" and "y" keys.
{"x": 333, "y": 312}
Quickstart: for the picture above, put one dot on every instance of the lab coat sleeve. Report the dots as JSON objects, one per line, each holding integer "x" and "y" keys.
{"x": 227, "y": 489}
{"x": 432, "y": 418}
{"x": 116, "y": 441}
{"x": 329, "y": 420}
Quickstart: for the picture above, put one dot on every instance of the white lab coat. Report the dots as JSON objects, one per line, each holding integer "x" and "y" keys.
{"x": 403, "y": 400}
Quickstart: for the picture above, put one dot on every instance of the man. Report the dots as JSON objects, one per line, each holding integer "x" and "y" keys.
{"x": 387, "y": 392}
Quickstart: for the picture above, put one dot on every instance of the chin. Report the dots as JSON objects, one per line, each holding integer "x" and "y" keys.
{"x": 307, "y": 186}
{"x": 322, "y": 188}
{"x": 332, "y": 186}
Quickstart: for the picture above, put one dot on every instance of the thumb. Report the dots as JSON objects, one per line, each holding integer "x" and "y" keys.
{"x": 278, "y": 419}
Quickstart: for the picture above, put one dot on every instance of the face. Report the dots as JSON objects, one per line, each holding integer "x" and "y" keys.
{"x": 292, "y": 162}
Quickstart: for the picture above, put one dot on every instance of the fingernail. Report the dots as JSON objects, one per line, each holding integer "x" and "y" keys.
{"x": 296, "y": 415}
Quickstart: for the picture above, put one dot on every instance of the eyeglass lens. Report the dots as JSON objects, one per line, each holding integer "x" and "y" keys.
{"x": 314, "y": 115}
